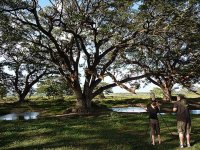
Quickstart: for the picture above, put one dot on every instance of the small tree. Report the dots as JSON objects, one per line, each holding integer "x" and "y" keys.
{"x": 54, "y": 86}
{"x": 26, "y": 66}
{"x": 157, "y": 91}
{"x": 3, "y": 91}
{"x": 24, "y": 73}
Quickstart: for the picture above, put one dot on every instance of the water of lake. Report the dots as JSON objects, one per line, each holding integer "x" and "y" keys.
{"x": 129, "y": 109}
{"x": 22, "y": 116}
{"x": 141, "y": 110}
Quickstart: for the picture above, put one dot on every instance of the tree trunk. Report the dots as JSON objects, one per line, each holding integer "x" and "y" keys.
{"x": 83, "y": 104}
{"x": 167, "y": 94}
{"x": 22, "y": 95}
{"x": 21, "y": 98}
{"x": 102, "y": 96}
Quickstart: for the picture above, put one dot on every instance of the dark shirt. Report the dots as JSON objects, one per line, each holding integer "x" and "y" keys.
{"x": 182, "y": 113}
{"x": 152, "y": 112}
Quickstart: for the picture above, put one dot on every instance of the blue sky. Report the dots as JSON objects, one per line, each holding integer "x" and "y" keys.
{"x": 46, "y": 2}
{"x": 43, "y": 2}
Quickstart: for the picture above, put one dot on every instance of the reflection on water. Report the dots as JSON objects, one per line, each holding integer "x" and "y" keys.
{"x": 30, "y": 115}
{"x": 9, "y": 117}
{"x": 129, "y": 109}
{"x": 25, "y": 116}
{"x": 197, "y": 112}
{"x": 140, "y": 110}
{"x": 194, "y": 112}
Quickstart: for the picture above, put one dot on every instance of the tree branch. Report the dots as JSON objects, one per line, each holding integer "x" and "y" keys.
{"x": 100, "y": 90}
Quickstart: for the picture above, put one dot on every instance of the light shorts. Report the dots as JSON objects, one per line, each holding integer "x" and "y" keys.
{"x": 183, "y": 127}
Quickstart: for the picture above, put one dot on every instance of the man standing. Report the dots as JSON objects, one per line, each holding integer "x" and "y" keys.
{"x": 183, "y": 119}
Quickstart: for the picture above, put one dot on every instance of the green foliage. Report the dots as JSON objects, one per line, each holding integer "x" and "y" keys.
{"x": 54, "y": 86}
{"x": 25, "y": 65}
{"x": 157, "y": 91}
{"x": 156, "y": 39}
{"x": 123, "y": 132}
{"x": 165, "y": 47}
{"x": 81, "y": 39}
{"x": 3, "y": 91}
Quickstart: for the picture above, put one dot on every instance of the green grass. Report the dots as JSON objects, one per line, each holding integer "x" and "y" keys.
{"x": 45, "y": 107}
{"x": 104, "y": 131}
{"x": 112, "y": 131}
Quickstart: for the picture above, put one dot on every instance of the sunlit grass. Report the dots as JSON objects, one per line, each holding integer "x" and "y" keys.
{"x": 106, "y": 131}
{"x": 111, "y": 131}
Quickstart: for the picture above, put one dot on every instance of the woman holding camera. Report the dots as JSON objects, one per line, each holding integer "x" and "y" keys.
{"x": 153, "y": 109}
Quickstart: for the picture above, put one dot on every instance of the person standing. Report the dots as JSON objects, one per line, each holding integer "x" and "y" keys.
{"x": 183, "y": 119}
{"x": 153, "y": 109}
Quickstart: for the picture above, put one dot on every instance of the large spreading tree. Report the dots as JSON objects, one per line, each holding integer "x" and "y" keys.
{"x": 169, "y": 47}
{"x": 24, "y": 71}
{"x": 83, "y": 38}
{"x": 23, "y": 63}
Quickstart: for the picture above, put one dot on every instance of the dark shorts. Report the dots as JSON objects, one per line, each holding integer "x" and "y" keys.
{"x": 183, "y": 127}
{"x": 155, "y": 127}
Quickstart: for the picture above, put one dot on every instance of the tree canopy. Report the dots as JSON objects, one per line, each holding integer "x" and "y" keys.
{"x": 24, "y": 61}
{"x": 169, "y": 47}
{"x": 83, "y": 38}
{"x": 88, "y": 41}
{"x": 54, "y": 86}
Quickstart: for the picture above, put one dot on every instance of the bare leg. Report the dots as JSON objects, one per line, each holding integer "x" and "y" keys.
{"x": 188, "y": 139}
{"x": 181, "y": 138}
{"x": 153, "y": 139}
{"x": 159, "y": 140}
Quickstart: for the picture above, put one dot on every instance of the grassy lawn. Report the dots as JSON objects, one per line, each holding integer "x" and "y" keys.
{"x": 104, "y": 131}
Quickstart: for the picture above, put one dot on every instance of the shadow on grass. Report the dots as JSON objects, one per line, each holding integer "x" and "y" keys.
{"x": 126, "y": 101}
{"x": 43, "y": 107}
{"x": 111, "y": 131}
